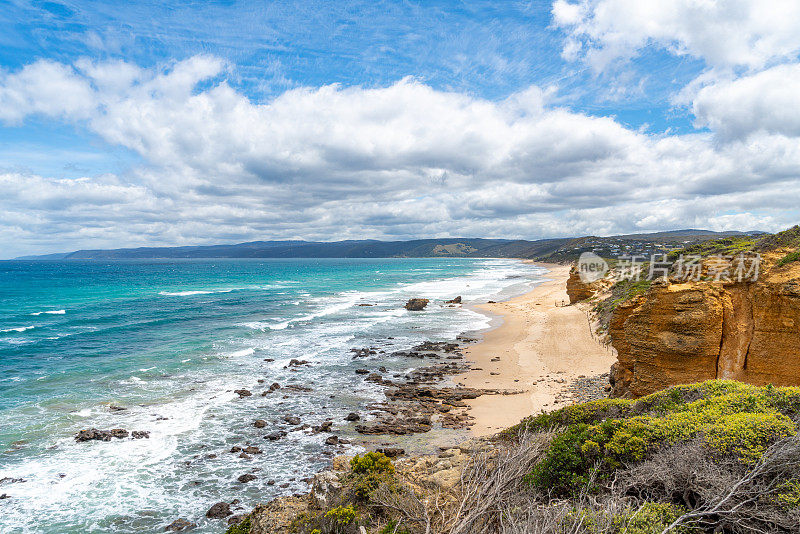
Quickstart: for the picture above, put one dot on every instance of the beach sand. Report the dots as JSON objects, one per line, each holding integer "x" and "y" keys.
{"x": 542, "y": 345}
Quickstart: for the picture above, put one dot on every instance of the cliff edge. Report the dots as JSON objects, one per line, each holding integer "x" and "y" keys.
{"x": 683, "y": 332}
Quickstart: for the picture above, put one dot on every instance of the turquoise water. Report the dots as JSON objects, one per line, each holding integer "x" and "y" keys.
{"x": 169, "y": 341}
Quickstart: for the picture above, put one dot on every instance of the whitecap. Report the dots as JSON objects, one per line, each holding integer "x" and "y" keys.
{"x": 190, "y": 293}
{"x": 240, "y": 353}
{"x": 18, "y": 329}
{"x": 51, "y": 312}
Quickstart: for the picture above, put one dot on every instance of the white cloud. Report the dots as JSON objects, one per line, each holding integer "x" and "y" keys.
{"x": 724, "y": 33}
{"x": 764, "y": 102}
{"x": 46, "y": 88}
{"x": 400, "y": 161}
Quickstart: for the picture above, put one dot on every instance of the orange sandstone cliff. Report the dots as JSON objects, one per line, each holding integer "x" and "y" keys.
{"x": 688, "y": 332}
{"x": 578, "y": 290}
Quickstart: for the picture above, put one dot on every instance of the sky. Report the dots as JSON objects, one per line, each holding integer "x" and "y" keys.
{"x": 126, "y": 124}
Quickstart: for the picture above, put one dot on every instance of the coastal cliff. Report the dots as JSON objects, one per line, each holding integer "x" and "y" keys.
{"x": 684, "y": 332}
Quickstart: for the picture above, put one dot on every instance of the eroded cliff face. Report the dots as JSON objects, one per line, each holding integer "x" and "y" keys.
{"x": 681, "y": 333}
{"x": 578, "y": 290}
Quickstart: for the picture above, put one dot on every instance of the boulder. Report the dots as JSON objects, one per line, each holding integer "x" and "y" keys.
{"x": 219, "y": 511}
{"x": 391, "y": 452}
{"x": 100, "y": 435}
{"x": 456, "y": 300}
{"x": 140, "y": 434}
{"x": 416, "y": 304}
{"x": 292, "y": 420}
{"x": 352, "y": 416}
{"x": 259, "y": 423}
{"x": 326, "y": 490}
{"x": 244, "y": 479}
{"x": 180, "y": 525}
{"x": 242, "y": 393}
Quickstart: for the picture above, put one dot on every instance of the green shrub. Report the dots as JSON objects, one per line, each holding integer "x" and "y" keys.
{"x": 649, "y": 518}
{"x": 565, "y": 467}
{"x": 243, "y": 527}
{"x": 341, "y": 516}
{"x": 368, "y": 472}
{"x": 393, "y": 527}
{"x": 730, "y": 418}
{"x": 789, "y": 258}
{"x": 788, "y": 494}
{"x": 372, "y": 462}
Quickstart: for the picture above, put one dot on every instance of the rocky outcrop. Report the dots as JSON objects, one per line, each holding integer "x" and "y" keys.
{"x": 578, "y": 290}
{"x": 93, "y": 434}
{"x": 680, "y": 333}
{"x": 416, "y": 304}
{"x": 438, "y": 474}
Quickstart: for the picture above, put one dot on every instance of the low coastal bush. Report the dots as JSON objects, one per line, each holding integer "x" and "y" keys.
{"x": 789, "y": 258}
{"x": 368, "y": 472}
{"x": 729, "y": 418}
{"x": 242, "y": 527}
{"x": 649, "y": 518}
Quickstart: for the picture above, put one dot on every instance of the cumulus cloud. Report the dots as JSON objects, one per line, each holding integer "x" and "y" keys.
{"x": 400, "y": 161}
{"x": 763, "y": 102}
{"x": 731, "y": 33}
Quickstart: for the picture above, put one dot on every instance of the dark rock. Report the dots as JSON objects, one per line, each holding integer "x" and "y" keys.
{"x": 235, "y": 519}
{"x": 244, "y": 479}
{"x": 5, "y": 496}
{"x": 324, "y": 427}
{"x": 362, "y": 371}
{"x": 242, "y": 392}
{"x": 219, "y": 511}
{"x": 236, "y": 449}
{"x": 292, "y": 420}
{"x": 179, "y": 525}
{"x": 259, "y": 423}
{"x": 275, "y": 436}
{"x": 101, "y": 435}
{"x": 297, "y": 363}
{"x": 270, "y": 483}
{"x": 456, "y": 300}
{"x": 416, "y": 304}
{"x": 391, "y": 452}
{"x": 115, "y": 408}
{"x": 332, "y": 440}
{"x": 252, "y": 449}
{"x": 140, "y": 434}
{"x": 352, "y": 416}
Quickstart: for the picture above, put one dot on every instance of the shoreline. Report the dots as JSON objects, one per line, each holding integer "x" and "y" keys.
{"x": 538, "y": 350}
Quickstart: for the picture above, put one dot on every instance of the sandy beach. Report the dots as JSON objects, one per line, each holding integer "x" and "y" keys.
{"x": 540, "y": 347}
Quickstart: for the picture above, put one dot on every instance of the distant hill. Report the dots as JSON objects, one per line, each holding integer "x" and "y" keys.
{"x": 418, "y": 248}
{"x": 561, "y": 249}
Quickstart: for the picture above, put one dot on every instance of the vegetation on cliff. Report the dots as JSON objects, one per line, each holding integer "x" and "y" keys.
{"x": 719, "y": 456}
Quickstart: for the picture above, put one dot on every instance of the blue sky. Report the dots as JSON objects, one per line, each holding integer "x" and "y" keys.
{"x": 607, "y": 77}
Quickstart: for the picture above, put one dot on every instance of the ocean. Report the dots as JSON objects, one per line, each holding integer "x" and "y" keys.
{"x": 160, "y": 346}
